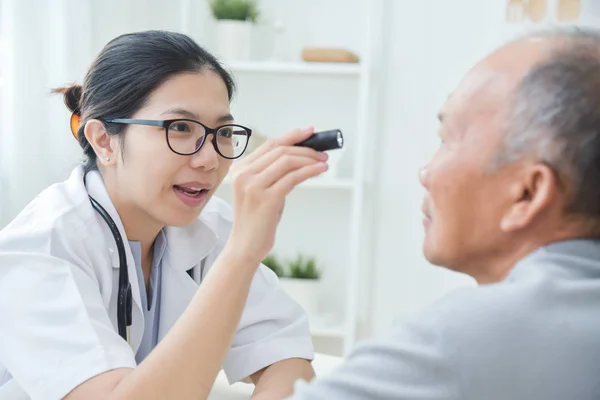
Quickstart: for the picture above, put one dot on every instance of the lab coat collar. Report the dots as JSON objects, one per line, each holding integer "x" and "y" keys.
{"x": 96, "y": 189}
{"x": 187, "y": 246}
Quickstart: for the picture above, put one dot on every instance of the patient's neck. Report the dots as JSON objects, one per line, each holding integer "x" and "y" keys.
{"x": 501, "y": 260}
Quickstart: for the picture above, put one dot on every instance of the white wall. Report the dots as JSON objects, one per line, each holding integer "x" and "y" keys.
{"x": 429, "y": 45}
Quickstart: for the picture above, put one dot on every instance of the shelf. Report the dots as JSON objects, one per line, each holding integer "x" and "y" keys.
{"x": 318, "y": 183}
{"x": 296, "y": 67}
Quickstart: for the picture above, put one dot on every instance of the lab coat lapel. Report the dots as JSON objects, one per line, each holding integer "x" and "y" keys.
{"x": 96, "y": 189}
{"x": 186, "y": 248}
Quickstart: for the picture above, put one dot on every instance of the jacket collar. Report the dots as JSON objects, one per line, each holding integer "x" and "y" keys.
{"x": 573, "y": 257}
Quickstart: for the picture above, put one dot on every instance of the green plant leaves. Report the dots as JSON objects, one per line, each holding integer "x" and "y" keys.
{"x": 273, "y": 263}
{"x": 299, "y": 268}
{"x": 238, "y": 10}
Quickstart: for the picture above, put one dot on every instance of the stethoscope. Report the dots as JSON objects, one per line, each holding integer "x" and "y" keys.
{"x": 124, "y": 297}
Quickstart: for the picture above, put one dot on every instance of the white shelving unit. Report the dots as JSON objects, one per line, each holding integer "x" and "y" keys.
{"x": 324, "y": 216}
{"x": 297, "y": 68}
{"x": 2, "y": 96}
{"x": 331, "y": 184}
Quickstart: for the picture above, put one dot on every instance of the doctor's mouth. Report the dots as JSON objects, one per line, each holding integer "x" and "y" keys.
{"x": 192, "y": 194}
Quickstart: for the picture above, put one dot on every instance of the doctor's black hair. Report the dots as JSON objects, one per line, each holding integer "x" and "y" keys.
{"x": 127, "y": 70}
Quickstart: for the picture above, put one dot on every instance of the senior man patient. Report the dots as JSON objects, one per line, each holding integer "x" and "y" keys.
{"x": 513, "y": 200}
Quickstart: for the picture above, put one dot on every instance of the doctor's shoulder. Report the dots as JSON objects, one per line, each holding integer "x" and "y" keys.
{"x": 57, "y": 222}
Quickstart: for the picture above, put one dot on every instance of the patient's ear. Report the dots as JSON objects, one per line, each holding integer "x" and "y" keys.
{"x": 532, "y": 192}
{"x": 101, "y": 141}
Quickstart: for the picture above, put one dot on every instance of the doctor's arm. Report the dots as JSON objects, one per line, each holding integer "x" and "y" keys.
{"x": 182, "y": 366}
{"x": 57, "y": 338}
{"x": 277, "y": 380}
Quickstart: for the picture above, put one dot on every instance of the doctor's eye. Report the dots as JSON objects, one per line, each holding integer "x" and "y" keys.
{"x": 226, "y": 132}
{"x": 181, "y": 126}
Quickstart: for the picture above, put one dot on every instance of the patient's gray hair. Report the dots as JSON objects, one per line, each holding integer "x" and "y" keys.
{"x": 555, "y": 116}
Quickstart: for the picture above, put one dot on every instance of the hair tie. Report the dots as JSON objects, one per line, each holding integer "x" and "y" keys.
{"x": 75, "y": 120}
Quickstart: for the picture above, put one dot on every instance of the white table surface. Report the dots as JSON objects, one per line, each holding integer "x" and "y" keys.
{"x": 323, "y": 364}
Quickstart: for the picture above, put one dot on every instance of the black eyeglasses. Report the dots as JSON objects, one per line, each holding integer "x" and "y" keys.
{"x": 186, "y": 136}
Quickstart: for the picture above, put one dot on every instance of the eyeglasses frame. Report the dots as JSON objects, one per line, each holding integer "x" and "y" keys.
{"x": 168, "y": 122}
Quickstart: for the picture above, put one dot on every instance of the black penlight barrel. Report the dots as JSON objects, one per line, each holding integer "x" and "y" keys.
{"x": 323, "y": 141}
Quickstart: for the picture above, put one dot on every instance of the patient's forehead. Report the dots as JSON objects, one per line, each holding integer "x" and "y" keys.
{"x": 482, "y": 91}
{"x": 490, "y": 83}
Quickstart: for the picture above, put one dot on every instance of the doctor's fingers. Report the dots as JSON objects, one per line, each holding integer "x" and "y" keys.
{"x": 242, "y": 171}
{"x": 287, "y": 140}
{"x": 288, "y": 182}
{"x": 290, "y": 169}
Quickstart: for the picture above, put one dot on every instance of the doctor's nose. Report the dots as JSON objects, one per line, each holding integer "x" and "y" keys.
{"x": 207, "y": 157}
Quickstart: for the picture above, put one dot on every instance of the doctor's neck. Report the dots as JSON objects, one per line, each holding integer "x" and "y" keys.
{"x": 139, "y": 225}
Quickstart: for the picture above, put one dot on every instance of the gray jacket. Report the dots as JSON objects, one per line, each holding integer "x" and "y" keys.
{"x": 534, "y": 336}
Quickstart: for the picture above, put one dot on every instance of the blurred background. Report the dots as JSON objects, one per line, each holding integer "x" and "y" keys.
{"x": 349, "y": 245}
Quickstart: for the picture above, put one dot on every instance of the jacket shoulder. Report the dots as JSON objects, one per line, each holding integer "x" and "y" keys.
{"x": 56, "y": 212}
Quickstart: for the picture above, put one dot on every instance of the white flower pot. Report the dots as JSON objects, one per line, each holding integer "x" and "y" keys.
{"x": 305, "y": 292}
{"x": 234, "y": 40}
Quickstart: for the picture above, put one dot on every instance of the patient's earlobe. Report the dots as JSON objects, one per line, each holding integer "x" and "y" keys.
{"x": 516, "y": 216}
{"x": 532, "y": 194}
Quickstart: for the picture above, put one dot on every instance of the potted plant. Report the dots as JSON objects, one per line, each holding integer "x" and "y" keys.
{"x": 235, "y": 21}
{"x": 274, "y": 265}
{"x": 301, "y": 283}
{"x": 300, "y": 280}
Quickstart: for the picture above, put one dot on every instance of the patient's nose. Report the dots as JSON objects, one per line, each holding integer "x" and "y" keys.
{"x": 423, "y": 175}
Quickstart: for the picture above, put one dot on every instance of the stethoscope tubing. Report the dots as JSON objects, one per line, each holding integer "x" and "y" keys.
{"x": 124, "y": 299}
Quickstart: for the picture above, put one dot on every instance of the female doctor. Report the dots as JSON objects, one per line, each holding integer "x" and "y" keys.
{"x": 154, "y": 122}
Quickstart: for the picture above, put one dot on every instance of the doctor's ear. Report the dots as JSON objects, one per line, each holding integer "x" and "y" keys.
{"x": 104, "y": 144}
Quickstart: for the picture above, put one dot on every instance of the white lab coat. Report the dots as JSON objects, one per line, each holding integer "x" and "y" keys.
{"x": 59, "y": 271}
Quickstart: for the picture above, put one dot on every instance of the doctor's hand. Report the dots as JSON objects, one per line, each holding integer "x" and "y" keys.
{"x": 261, "y": 182}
